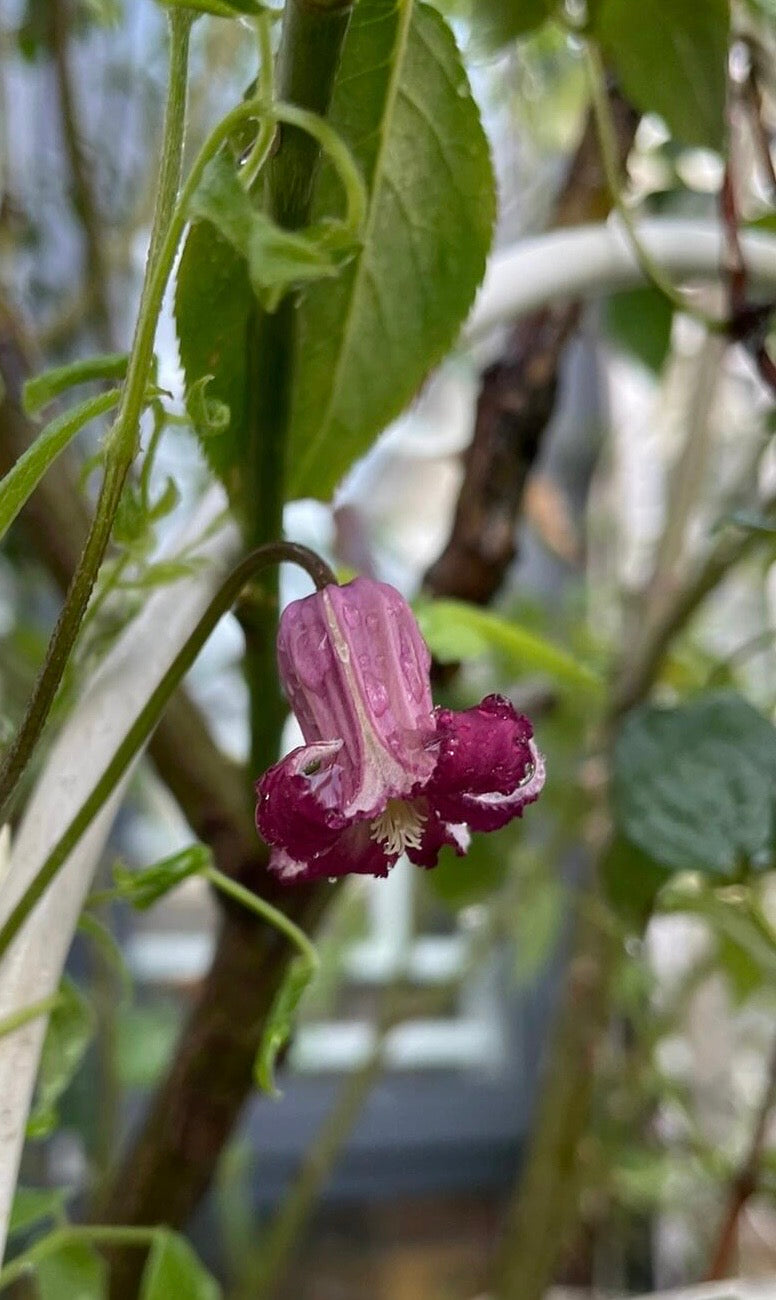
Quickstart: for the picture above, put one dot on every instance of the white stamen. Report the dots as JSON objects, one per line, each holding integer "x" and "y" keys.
{"x": 399, "y": 826}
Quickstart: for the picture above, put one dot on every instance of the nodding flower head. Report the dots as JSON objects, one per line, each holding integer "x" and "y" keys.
{"x": 382, "y": 772}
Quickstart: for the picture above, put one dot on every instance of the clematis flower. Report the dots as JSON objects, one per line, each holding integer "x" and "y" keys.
{"x": 383, "y": 772}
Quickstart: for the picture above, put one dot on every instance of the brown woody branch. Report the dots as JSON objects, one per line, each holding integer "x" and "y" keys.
{"x": 84, "y": 202}
{"x": 517, "y": 398}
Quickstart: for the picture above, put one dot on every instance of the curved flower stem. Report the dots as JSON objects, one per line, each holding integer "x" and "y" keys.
{"x": 99, "y": 1235}
{"x": 270, "y": 554}
{"x": 267, "y": 912}
{"x": 121, "y": 443}
{"x": 608, "y": 142}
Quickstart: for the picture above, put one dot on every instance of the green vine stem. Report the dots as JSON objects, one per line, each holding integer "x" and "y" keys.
{"x": 267, "y": 912}
{"x": 607, "y": 139}
{"x": 17, "y": 1019}
{"x": 99, "y": 1235}
{"x": 270, "y": 554}
{"x": 121, "y": 443}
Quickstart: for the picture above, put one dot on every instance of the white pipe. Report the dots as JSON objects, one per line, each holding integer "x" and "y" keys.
{"x": 590, "y": 261}
{"x": 32, "y": 967}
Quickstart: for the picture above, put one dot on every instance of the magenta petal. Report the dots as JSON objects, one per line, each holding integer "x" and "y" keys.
{"x": 298, "y": 799}
{"x": 436, "y": 834}
{"x": 488, "y": 767}
{"x": 354, "y": 852}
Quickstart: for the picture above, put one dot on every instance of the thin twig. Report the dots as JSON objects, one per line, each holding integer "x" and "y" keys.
{"x": 746, "y": 1181}
{"x": 84, "y": 201}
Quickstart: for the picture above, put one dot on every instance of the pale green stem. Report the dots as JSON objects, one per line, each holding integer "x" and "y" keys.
{"x": 267, "y": 912}
{"x": 9, "y": 1024}
{"x": 607, "y": 139}
{"x": 266, "y": 83}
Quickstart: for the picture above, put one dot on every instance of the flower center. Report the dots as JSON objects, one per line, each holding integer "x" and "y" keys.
{"x": 399, "y": 826}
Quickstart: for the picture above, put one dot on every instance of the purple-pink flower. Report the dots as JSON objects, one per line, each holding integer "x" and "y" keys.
{"x": 383, "y": 772}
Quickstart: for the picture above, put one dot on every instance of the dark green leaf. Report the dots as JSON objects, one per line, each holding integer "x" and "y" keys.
{"x": 33, "y": 1205}
{"x": 174, "y": 1272}
{"x": 500, "y": 21}
{"x": 144, "y": 888}
{"x": 75, "y": 1272}
{"x": 639, "y": 321}
{"x": 671, "y": 58}
{"x": 44, "y": 388}
{"x": 695, "y": 787}
{"x": 280, "y": 1022}
{"x": 366, "y": 340}
{"x": 20, "y": 481}
{"x": 146, "y": 1038}
{"x": 455, "y": 630}
{"x": 69, "y": 1033}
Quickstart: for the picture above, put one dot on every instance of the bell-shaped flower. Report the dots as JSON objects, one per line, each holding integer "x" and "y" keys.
{"x": 382, "y": 772}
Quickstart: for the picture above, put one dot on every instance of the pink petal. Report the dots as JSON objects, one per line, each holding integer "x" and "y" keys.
{"x": 436, "y": 834}
{"x": 298, "y": 801}
{"x": 488, "y": 767}
{"x": 354, "y": 852}
{"x": 355, "y": 667}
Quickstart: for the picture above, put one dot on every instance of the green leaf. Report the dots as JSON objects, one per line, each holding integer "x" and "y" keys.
{"x": 44, "y": 388}
{"x": 213, "y": 301}
{"x": 70, "y": 1030}
{"x": 631, "y": 880}
{"x": 221, "y": 199}
{"x": 20, "y": 481}
{"x": 145, "y": 1041}
{"x": 695, "y": 787}
{"x": 33, "y": 1205}
{"x": 277, "y": 259}
{"x": 280, "y": 1022}
{"x": 640, "y": 321}
{"x": 671, "y": 58}
{"x": 74, "y": 1272}
{"x": 174, "y": 1272}
{"x": 475, "y": 877}
{"x": 144, "y": 888}
{"x": 367, "y": 340}
{"x": 499, "y": 22}
{"x": 107, "y": 945}
{"x": 219, "y": 8}
{"x": 455, "y": 630}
